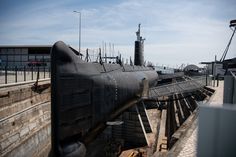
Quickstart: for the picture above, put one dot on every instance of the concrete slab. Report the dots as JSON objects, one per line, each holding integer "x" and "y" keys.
{"x": 217, "y": 97}
{"x": 190, "y": 146}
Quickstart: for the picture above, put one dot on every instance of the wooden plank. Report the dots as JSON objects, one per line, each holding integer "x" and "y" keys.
{"x": 180, "y": 112}
{"x": 162, "y": 139}
{"x": 176, "y": 114}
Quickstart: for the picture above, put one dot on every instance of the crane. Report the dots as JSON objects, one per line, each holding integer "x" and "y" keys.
{"x": 233, "y": 28}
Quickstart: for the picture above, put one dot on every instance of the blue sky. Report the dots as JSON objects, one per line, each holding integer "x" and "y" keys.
{"x": 176, "y": 32}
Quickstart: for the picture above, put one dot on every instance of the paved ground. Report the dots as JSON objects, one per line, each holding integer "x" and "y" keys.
{"x": 217, "y": 98}
{"x": 190, "y": 147}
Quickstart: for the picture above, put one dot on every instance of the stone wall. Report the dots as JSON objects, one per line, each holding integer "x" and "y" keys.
{"x": 25, "y": 120}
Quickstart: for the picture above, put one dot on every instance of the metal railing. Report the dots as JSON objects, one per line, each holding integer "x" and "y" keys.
{"x": 206, "y": 80}
{"x": 179, "y": 87}
{"x": 24, "y": 73}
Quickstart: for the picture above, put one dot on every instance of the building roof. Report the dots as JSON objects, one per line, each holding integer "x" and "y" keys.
{"x": 24, "y": 46}
{"x": 191, "y": 67}
{"x": 232, "y": 60}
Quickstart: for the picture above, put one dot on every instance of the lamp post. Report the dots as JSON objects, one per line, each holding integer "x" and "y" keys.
{"x": 79, "y": 28}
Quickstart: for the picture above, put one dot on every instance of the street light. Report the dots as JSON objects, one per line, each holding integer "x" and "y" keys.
{"x": 79, "y": 28}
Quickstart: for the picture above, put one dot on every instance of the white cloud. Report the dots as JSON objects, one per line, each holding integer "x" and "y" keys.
{"x": 176, "y": 32}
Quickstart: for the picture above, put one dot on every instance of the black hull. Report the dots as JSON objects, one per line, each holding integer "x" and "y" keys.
{"x": 84, "y": 94}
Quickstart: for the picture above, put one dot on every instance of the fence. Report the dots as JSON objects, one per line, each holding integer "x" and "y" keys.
{"x": 204, "y": 80}
{"x": 23, "y": 73}
{"x": 179, "y": 87}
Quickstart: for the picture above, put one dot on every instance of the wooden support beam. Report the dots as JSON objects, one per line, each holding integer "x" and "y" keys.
{"x": 162, "y": 139}
{"x": 146, "y": 114}
{"x": 176, "y": 114}
{"x": 179, "y": 110}
{"x": 141, "y": 123}
{"x": 184, "y": 107}
{"x": 171, "y": 122}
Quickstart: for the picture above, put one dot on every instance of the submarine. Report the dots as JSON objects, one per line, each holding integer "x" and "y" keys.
{"x": 84, "y": 94}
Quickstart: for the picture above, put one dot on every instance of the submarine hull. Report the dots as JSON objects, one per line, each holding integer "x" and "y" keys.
{"x": 84, "y": 94}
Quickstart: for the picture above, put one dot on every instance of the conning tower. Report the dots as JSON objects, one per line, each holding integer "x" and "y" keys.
{"x": 138, "y": 49}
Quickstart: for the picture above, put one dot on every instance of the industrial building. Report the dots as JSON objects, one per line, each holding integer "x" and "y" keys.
{"x": 25, "y": 55}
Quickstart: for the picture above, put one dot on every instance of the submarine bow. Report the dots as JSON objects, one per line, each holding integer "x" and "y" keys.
{"x": 84, "y": 94}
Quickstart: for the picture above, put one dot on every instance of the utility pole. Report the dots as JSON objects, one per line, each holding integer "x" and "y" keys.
{"x": 79, "y": 29}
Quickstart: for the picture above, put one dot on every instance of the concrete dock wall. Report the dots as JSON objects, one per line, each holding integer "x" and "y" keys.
{"x": 25, "y": 121}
